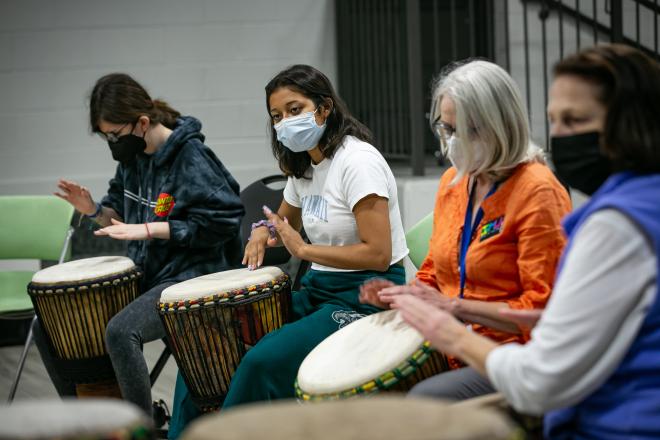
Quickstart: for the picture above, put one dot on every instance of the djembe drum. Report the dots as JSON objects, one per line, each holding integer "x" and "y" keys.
{"x": 73, "y": 419}
{"x": 377, "y": 353}
{"x": 74, "y": 302}
{"x": 382, "y": 417}
{"x": 211, "y": 321}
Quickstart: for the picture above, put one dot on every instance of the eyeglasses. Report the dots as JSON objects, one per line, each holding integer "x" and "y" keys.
{"x": 444, "y": 131}
{"x": 112, "y": 136}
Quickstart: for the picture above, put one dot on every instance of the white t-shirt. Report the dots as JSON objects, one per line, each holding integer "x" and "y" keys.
{"x": 355, "y": 171}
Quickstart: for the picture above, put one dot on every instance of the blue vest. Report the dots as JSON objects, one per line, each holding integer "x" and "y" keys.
{"x": 627, "y": 405}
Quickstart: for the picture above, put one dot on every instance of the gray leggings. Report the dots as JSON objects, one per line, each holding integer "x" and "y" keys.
{"x": 460, "y": 384}
{"x": 125, "y": 334}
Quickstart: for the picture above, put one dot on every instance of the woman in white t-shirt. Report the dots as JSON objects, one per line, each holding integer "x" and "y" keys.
{"x": 342, "y": 191}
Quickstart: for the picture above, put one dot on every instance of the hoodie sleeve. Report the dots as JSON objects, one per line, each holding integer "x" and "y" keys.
{"x": 214, "y": 209}
{"x": 115, "y": 197}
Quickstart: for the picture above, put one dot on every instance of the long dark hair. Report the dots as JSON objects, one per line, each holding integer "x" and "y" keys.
{"x": 629, "y": 83}
{"x": 119, "y": 99}
{"x": 316, "y": 86}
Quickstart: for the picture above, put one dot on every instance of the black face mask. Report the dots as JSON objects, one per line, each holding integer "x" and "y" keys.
{"x": 127, "y": 148}
{"x": 579, "y": 162}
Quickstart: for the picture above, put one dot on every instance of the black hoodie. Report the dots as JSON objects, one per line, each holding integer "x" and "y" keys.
{"x": 185, "y": 184}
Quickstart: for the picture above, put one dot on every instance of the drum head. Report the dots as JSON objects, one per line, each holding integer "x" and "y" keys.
{"x": 83, "y": 270}
{"x": 70, "y": 419}
{"x": 218, "y": 283}
{"x": 358, "y": 353}
{"x": 382, "y": 418}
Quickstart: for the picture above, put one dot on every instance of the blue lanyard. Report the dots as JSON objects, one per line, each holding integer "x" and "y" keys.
{"x": 468, "y": 229}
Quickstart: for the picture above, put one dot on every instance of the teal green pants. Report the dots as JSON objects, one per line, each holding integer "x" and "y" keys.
{"x": 326, "y": 302}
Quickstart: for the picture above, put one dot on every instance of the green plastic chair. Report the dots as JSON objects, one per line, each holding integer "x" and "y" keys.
{"x": 31, "y": 228}
{"x": 418, "y": 238}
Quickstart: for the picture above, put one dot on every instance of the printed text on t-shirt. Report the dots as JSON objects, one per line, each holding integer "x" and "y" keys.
{"x": 315, "y": 206}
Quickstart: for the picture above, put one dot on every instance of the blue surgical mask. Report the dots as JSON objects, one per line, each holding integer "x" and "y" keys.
{"x": 299, "y": 133}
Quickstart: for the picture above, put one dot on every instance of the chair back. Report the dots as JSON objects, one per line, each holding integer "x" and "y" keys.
{"x": 33, "y": 227}
{"x": 263, "y": 192}
{"x": 418, "y": 238}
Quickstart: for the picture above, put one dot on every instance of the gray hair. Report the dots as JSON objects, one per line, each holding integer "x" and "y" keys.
{"x": 488, "y": 103}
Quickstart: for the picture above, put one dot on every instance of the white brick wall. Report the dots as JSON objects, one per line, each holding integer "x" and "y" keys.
{"x": 207, "y": 58}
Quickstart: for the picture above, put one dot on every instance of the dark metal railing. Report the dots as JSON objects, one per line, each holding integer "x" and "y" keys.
{"x": 371, "y": 37}
{"x": 390, "y": 50}
{"x": 590, "y": 23}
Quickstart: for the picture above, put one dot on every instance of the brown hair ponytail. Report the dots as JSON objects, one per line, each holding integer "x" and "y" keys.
{"x": 119, "y": 99}
{"x": 166, "y": 115}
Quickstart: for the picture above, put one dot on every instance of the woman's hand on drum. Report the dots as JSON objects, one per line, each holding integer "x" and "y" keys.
{"x": 291, "y": 239}
{"x": 437, "y": 326}
{"x": 422, "y": 291}
{"x": 77, "y": 195}
{"x": 256, "y": 247}
{"x": 125, "y": 231}
{"x": 369, "y": 292}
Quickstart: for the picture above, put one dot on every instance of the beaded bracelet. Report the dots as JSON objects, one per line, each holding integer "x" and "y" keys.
{"x": 266, "y": 223}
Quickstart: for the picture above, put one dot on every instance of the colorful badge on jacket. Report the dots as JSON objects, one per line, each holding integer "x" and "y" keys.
{"x": 491, "y": 228}
{"x": 164, "y": 205}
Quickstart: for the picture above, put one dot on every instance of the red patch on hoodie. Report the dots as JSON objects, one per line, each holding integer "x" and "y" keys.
{"x": 164, "y": 205}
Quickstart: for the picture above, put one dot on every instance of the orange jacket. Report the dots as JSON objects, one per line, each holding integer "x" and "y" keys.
{"x": 514, "y": 252}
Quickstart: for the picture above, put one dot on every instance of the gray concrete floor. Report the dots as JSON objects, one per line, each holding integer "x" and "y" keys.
{"x": 35, "y": 383}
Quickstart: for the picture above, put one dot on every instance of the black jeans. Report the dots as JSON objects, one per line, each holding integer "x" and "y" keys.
{"x": 125, "y": 334}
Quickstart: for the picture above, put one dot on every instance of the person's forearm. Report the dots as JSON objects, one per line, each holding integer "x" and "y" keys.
{"x": 485, "y": 313}
{"x": 473, "y": 349}
{"x": 356, "y": 256}
{"x": 105, "y": 215}
{"x": 491, "y": 323}
{"x": 160, "y": 230}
